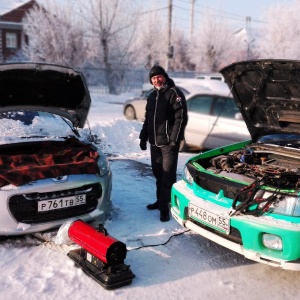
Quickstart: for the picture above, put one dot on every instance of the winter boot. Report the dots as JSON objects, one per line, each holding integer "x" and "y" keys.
{"x": 164, "y": 216}
{"x": 153, "y": 205}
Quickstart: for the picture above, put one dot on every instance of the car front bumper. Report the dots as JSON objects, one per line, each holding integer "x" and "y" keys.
{"x": 250, "y": 228}
{"x": 11, "y": 226}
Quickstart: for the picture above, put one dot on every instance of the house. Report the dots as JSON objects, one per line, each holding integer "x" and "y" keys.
{"x": 12, "y": 36}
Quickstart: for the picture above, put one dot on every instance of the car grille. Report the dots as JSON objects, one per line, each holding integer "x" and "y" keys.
{"x": 24, "y": 207}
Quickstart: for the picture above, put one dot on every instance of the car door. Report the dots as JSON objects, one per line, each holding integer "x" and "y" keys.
{"x": 199, "y": 119}
{"x": 226, "y": 124}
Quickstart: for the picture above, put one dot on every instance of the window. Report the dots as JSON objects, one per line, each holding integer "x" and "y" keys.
{"x": 225, "y": 107}
{"x": 200, "y": 104}
{"x": 11, "y": 40}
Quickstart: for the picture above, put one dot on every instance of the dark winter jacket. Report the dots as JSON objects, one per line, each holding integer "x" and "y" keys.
{"x": 165, "y": 117}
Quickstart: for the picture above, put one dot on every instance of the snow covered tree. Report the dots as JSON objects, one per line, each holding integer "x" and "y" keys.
{"x": 181, "y": 60}
{"x": 55, "y": 35}
{"x": 281, "y": 35}
{"x": 151, "y": 41}
{"x": 213, "y": 45}
{"x": 111, "y": 26}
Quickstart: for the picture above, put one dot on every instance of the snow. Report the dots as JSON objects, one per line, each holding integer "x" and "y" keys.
{"x": 188, "y": 266}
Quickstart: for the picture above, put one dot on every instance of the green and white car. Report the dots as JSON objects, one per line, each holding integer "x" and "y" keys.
{"x": 245, "y": 196}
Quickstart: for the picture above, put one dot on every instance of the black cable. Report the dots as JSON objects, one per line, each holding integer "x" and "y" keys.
{"x": 155, "y": 245}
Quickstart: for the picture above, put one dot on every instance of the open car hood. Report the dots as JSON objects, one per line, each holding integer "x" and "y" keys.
{"x": 51, "y": 88}
{"x": 267, "y": 93}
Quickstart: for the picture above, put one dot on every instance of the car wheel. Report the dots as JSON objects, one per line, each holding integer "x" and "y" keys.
{"x": 130, "y": 113}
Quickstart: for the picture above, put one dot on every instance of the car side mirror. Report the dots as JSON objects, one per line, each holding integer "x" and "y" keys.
{"x": 93, "y": 138}
{"x": 238, "y": 116}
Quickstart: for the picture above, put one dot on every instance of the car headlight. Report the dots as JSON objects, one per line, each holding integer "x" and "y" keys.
{"x": 186, "y": 176}
{"x": 103, "y": 164}
{"x": 283, "y": 205}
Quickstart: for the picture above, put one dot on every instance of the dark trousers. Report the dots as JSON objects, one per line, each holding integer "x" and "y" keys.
{"x": 164, "y": 166}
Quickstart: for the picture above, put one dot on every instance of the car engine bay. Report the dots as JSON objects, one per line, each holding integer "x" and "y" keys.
{"x": 280, "y": 168}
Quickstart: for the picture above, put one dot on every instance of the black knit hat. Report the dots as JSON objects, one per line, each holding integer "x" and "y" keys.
{"x": 157, "y": 70}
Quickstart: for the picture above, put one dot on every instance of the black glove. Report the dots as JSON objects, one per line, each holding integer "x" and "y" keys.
{"x": 172, "y": 144}
{"x": 143, "y": 145}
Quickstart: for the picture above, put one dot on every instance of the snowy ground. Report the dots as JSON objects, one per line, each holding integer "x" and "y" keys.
{"x": 187, "y": 267}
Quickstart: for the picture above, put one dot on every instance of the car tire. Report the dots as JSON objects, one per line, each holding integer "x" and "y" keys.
{"x": 129, "y": 113}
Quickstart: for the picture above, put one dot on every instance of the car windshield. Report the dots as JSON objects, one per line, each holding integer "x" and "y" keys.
{"x": 28, "y": 124}
{"x": 285, "y": 139}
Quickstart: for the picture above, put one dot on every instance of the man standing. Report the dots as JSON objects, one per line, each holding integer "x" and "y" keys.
{"x": 163, "y": 128}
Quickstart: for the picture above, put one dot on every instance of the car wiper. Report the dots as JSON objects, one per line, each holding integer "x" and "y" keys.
{"x": 45, "y": 136}
{"x": 72, "y": 128}
{"x": 283, "y": 143}
{"x": 32, "y": 136}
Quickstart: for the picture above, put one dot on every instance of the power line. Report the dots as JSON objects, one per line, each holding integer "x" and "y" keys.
{"x": 153, "y": 10}
{"x": 218, "y": 12}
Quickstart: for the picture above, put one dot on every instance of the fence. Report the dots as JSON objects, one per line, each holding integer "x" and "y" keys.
{"x": 128, "y": 81}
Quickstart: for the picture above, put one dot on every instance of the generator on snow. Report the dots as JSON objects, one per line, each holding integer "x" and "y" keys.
{"x": 101, "y": 256}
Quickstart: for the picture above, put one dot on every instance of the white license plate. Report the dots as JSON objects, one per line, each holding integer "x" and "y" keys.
{"x": 59, "y": 203}
{"x": 208, "y": 218}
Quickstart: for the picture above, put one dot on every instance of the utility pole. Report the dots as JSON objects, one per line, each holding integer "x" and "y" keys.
{"x": 169, "y": 50}
{"x": 248, "y": 22}
{"x": 192, "y": 18}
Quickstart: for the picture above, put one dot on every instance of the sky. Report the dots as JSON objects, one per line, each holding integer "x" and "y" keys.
{"x": 187, "y": 266}
{"x": 234, "y": 11}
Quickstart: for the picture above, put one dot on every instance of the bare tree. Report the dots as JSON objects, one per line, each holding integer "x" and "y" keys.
{"x": 55, "y": 35}
{"x": 110, "y": 26}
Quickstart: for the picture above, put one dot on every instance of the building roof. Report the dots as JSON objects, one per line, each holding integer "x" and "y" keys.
{"x": 17, "y": 13}
{"x": 8, "y": 5}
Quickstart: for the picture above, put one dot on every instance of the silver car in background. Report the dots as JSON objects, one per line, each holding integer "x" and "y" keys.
{"x": 134, "y": 108}
{"x": 49, "y": 173}
{"x": 214, "y": 119}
